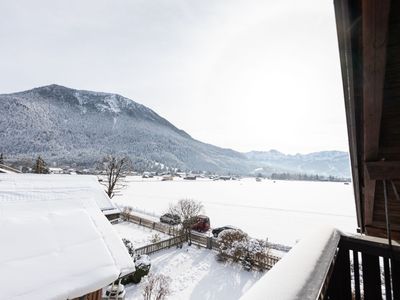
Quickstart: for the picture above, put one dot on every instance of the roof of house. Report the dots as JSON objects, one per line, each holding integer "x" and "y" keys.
{"x": 55, "y": 241}
{"x": 369, "y": 44}
{"x": 7, "y": 169}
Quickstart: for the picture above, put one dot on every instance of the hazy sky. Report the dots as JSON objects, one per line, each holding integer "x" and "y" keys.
{"x": 248, "y": 75}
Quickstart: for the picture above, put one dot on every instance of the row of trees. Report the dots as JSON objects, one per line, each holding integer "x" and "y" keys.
{"x": 306, "y": 177}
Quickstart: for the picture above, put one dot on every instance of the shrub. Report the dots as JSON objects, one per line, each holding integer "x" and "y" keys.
{"x": 156, "y": 287}
{"x": 142, "y": 265}
{"x": 232, "y": 244}
{"x": 238, "y": 246}
{"x": 129, "y": 246}
{"x": 155, "y": 238}
{"x": 258, "y": 252}
{"x": 142, "y": 268}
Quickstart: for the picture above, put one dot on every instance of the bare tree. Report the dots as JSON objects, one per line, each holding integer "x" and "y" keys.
{"x": 188, "y": 210}
{"x": 116, "y": 170}
{"x": 156, "y": 287}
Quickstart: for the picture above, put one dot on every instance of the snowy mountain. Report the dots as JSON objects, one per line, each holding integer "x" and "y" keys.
{"x": 334, "y": 163}
{"x": 68, "y": 126}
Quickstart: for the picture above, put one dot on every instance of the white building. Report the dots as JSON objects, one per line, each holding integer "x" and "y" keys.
{"x": 56, "y": 171}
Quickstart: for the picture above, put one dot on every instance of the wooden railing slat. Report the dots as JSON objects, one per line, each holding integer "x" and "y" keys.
{"x": 371, "y": 277}
{"x": 388, "y": 286}
{"x": 396, "y": 278}
{"x": 356, "y": 268}
{"x": 340, "y": 284}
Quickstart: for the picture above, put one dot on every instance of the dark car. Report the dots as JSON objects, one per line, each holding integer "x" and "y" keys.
{"x": 217, "y": 231}
{"x": 170, "y": 219}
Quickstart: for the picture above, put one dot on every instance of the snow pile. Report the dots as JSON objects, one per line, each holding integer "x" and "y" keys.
{"x": 56, "y": 243}
{"x": 300, "y": 274}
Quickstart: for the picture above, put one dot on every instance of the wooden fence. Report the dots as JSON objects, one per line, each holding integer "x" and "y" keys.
{"x": 164, "y": 228}
{"x": 213, "y": 244}
{"x": 148, "y": 249}
{"x": 178, "y": 238}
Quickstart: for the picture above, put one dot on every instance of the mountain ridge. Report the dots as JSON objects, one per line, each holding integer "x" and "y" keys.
{"x": 69, "y": 125}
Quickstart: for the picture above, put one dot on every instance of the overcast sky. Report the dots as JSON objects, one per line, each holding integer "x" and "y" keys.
{"x": 247, "y": 75}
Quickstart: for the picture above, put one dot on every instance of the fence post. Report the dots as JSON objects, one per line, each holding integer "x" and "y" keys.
{"x": 209, "y": 246}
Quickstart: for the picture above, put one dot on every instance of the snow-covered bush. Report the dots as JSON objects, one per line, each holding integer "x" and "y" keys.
{"x": 232, "y": 244}
{"x": 257, "y": 253}
{"x": 127, "y": 210}
{"x": 156, "y": 287}
{"x": 129, "y": 246}
{"x": 155, "y": 238}
{"x": 237, "y": 245}
{"x": 142, "y": 267}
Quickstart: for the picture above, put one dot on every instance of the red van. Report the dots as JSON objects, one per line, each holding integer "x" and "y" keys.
{"x": 201, "y": 224}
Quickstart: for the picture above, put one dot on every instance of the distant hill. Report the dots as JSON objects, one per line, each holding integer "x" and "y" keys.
{"x": 73, "y": 126}
{"x": 335, "y": 163}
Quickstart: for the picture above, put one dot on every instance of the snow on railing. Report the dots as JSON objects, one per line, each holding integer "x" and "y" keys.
{"x": 301, "y": 273}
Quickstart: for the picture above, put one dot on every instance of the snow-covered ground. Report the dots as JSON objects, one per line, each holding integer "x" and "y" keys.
{"x": 283, "y": 211}
{"x": 195, "y": 274}
{"x": 138, "y": 235}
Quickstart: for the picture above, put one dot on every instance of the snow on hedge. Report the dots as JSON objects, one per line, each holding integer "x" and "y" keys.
{"x": 56, "y": 243}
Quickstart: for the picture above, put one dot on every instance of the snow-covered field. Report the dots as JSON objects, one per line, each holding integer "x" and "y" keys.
{"x": 283, "y": 211}
{"x": 138, "y": 235}
{"x": 196, "y": 274}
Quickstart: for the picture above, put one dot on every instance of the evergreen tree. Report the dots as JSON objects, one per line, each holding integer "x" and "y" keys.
{"x": 40, "y": 166}
{"x": 1, "y": 159}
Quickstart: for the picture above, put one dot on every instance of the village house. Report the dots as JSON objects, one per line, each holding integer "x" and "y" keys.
{"x": 59, "y": 244}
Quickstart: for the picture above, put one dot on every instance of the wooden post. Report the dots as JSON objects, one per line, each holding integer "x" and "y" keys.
{"x": 340, "y": 284}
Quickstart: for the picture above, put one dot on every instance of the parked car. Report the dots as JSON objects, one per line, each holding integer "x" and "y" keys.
{"x": 201, "y": 223}
{"x": 114, "y": 291}
{"x": 217, "y": 231}
{"x": 170, "y": 219}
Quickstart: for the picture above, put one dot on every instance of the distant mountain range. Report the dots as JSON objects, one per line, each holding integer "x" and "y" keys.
{"x": 69, "y": 126}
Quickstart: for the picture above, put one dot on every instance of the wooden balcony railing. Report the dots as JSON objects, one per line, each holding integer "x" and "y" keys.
{"x": 334, "y": 266}
{"x": 365, "y": 268}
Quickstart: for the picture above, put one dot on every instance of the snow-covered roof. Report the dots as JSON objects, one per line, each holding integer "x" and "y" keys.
{"x": 55, "y": 241}
{"x": 7, "y": 169}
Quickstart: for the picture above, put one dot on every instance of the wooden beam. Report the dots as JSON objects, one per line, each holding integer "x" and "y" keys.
{"x": 347, "y": 26}
{"x": 380, "y": 170}
{"x": 369, "y": 197}
{"x": 381, "y": 232}
{"x": 375, "y": 20}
